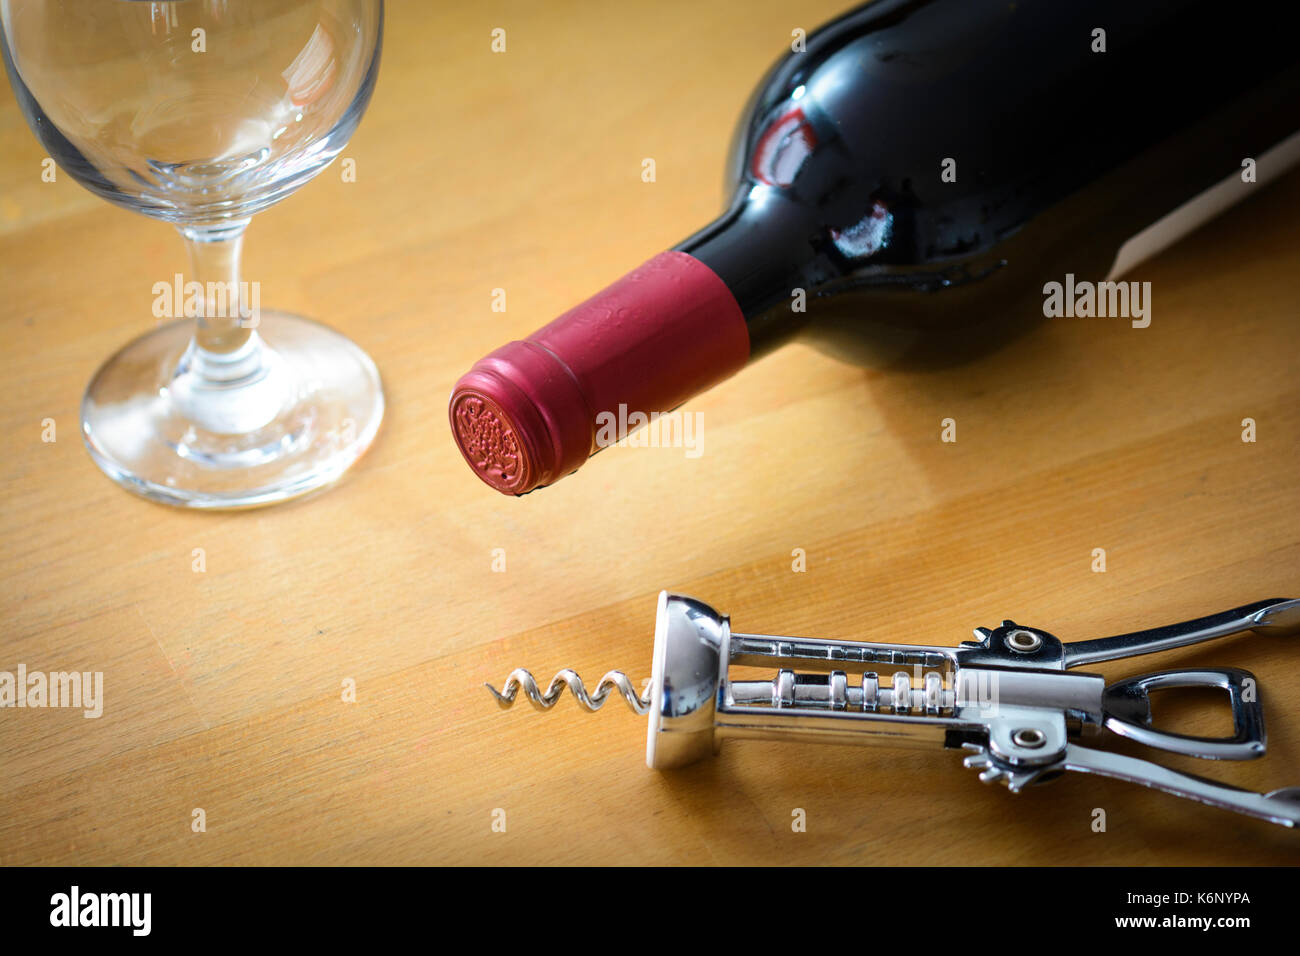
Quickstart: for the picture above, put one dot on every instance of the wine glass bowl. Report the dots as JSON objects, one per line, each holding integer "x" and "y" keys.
{"x": 201, "y": 113}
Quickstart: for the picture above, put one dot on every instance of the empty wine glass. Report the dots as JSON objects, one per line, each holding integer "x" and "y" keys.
{"x": 201, "y": 113}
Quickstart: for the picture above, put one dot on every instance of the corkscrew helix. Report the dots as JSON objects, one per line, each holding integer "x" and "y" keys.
{"x": 1005, "y": 697}
{"x": 520, "y": 679}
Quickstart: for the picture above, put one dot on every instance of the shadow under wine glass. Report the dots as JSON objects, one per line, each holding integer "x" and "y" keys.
{"x": 201, "y": 113}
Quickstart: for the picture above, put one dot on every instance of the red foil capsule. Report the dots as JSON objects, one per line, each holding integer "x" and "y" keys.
{"x": 525, "y": 415}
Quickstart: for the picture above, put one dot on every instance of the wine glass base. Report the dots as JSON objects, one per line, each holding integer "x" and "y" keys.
{"x": 323, "y": 391}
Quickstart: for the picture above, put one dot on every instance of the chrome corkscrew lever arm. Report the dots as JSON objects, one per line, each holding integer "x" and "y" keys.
{"x": 1277, "y": 616}
{"x": 1278, "y": 806}
{"x": 1006, "y": 696}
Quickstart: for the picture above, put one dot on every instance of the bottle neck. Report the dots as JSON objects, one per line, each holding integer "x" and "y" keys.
{"x": 760, "y": 249}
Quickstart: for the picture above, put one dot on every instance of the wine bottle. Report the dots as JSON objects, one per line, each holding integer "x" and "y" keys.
{"x": 929, "y": 163}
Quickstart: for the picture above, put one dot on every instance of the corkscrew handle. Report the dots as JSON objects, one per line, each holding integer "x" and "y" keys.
{"x": 1277, "y": 616}
{"x": 1279, "y": 806}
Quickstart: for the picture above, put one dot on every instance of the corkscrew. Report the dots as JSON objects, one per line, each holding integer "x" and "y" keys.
{"x": 1007, "y": 698}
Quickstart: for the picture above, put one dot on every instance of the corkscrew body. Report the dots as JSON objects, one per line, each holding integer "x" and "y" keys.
{"x": 1006, "y": 697}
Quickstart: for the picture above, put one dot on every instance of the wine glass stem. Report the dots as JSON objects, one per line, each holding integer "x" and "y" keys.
{"x": 228, "y": 315}
{"x": 227, "y": 381}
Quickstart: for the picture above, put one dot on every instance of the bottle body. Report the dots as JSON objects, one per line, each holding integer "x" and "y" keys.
{"x": 938, "y": 163}
{"x": 920, "y": 164}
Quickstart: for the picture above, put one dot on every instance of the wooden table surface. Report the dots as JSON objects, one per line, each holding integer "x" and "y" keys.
{"x": 522, "y": 171}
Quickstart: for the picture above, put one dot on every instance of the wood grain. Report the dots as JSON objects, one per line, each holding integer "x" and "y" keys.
{"x": 522, "y": 171}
